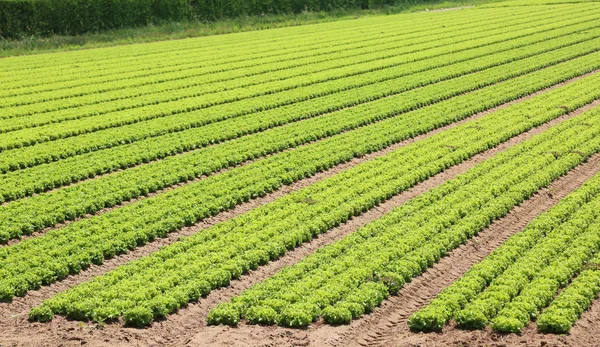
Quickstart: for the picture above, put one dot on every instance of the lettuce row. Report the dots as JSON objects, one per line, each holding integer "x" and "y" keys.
{"x": 261, "y": 47}
{"x": 84, "y": 92}
{"x": 181, "y": 114}
{"x": 540, "y": 292}
{"x": 89, "y": 197}
{"x": 503, "y": 289}
{"x": 115, "y": 68}
{"x": 568, "y": 306}
{"x": 191, "y": 268}
{"x": 398, "y": 252}
{"x": 546, "y": 230}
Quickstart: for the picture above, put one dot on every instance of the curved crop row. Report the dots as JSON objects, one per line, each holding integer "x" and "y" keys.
{"x": 372, "y": 50}
{"x": 214, "y": 51}
{"x": 354, "y": 275}
{"x": 503, "y": 289}
{"x": 189, "y": 86}
{"x": 228, "y": 114}
{"x": 180, "y": 114}
{"x": 227, "y": 71}
{"x": 217, "y": 56}
{"x": 568, "y": 306}
{"x": 538, "y": 294}
{"x": 247, "y": 41}
{"x": 229, "y": 249}
{"x": 26, "y": 216}
{"x": 218, "y": 49}
{"x": 108, "y": 69}
{"x": 546, "y": 231}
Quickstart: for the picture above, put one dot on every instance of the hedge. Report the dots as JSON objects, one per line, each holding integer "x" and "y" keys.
{"x": 26, "y": 17}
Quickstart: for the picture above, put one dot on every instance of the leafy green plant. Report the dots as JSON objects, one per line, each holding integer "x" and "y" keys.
{"x": 138, "y": 316}
{"x": 417, "y": 234}
{"x": 568, "y": 306}
{"x": 261, "y": 315}
{"x": 223, "y": 314}
{"x": 523, "y": 274}
{"x": 255, "y": 237}
{"x": 337, "y": 315}
{"x": 41, "y": 314}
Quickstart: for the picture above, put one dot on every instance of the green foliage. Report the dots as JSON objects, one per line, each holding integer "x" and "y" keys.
{"x": 7, "y": 292}
{"x": 261, "y": 315}
{"x": 433, "y": 319}
{"x": 307, "y": 107}
{"x": 298, "y": 315}
{"x": 26, "y": 17}
{"x": 46, "y": 210}
{"x": 19, "y": 17}
{"x": 139, "y": 316}
{"x": 559, "y": 322}
{"x": 344, "y": 272}
{"x": 355, "y": 309}
{"x": 507, "y": 325}
{"x": 224, "y": 314}
{"x": 104, "y": 314}
{"x": 472, "y": 318}
{"x": 507, "y": 271}
{"x": 337, "y": 315}
{"x": 41, "y": 314}
{"x": 568, "y": 306}
{"x": 394, "y": 282}
{"x": 523, "y": 275}
{"x": 203, "y": 255}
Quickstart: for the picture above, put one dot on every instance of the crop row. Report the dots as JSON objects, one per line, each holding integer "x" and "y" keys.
{"x": 234, "y": 113}
{"x": 568, "y": 306}
{"x": 340, "y": 280}
{"x": 326, "y": 278}
{"x": 164, "y": 50}
{"x": 227, "y": 71}
{"x": 540, "y": 241}
{"x": 290, "y": 91}
{"x": 537, "y": 293}
{"x": 43, "y": 210}
{"x": 264, "y": 40}
{"x": 273, "y": 78}
{"x": 208, "y": 45}
{"x": 386, "y": 132}
{"x": 256, "y": 55}
{"x": 373, "y": 50}
{"x": 165, "y": 105}
{"x": 503, "y": 289}
{"x": 187, "y": 269}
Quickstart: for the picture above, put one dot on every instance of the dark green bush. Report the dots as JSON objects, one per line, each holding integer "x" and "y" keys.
{"x": 79, "y": 16}
{"x": 25, "y": 17}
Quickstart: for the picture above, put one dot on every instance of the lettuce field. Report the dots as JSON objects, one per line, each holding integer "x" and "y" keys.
{"x": 417, "y": 179}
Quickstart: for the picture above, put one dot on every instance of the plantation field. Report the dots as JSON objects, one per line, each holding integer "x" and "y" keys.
{"x": 417, "y": 179}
